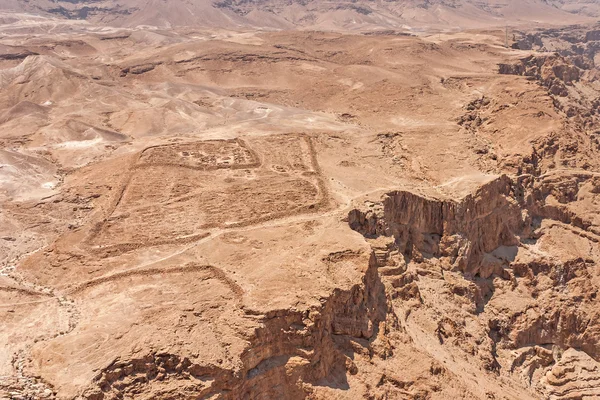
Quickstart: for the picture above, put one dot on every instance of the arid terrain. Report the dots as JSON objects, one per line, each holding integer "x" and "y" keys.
{"x": 275, "y": 202}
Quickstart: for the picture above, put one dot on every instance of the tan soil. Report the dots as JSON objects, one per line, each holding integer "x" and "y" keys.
{"x": 285, "y": 215}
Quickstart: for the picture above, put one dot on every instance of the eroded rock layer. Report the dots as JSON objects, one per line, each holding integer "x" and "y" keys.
{"x": 532, "y": 314}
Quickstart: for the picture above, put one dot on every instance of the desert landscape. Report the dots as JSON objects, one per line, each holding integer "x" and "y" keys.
{"x": 299, "y": 200}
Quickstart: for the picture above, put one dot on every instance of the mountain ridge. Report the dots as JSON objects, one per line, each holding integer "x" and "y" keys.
{"x": 313, "y": 14}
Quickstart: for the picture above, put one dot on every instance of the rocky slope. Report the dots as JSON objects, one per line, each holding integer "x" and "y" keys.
{"x": 444, "y": 14}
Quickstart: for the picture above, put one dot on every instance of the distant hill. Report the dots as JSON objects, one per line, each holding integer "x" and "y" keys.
{"x": 314, "y": 14}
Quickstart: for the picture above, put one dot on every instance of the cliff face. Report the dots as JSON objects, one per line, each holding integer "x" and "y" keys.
{"x": 532, "y": 306}
{"x": 459, "y": 233}
{"x": 555, "y": 72}
{"x": 288, "y": 353}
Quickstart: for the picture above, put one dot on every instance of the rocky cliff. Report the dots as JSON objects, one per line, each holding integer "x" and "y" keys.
{"x": 533, "y": 312}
